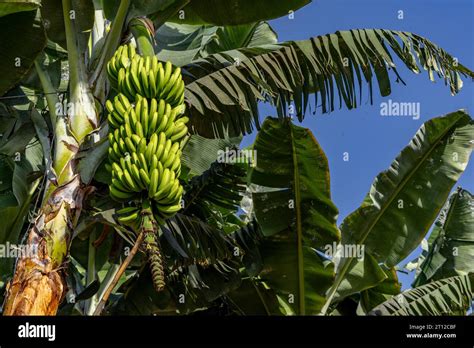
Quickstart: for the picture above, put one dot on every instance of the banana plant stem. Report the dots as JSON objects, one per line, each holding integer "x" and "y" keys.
{"x": 119, "y": 273}
{"x": 49, "y": 91}
{"x": 112, "y": 40}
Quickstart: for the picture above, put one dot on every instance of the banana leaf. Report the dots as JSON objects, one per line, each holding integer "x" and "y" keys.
{"x": 404, "y": 200}
{"x": 297, "y": 214}
{"x": 451, "y": 244}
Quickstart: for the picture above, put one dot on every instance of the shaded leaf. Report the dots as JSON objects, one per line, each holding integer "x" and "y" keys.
{"x": 199, "y": 153}
{"x": 181, "y": 43}
{"x": 218, "y": 190}
{"x": 91, "y": 160}
{"x": 289, "y": 158}
{"x": 22, "y": 39}
{"x": 253, "y": 297}
{"x": 380, "y": 293}
{"x": 450, "y": 296}
{"x": 233, "y": 12}
{"x": 23, "y": 187}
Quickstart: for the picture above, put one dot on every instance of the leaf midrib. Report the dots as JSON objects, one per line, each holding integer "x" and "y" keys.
{"x": 301, "y": 290}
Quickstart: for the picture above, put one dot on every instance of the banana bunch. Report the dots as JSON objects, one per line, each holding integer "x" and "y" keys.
{"x": 146, "y": 129}
{"x": 145, "y": 133}
{"x": 134, "y": 75}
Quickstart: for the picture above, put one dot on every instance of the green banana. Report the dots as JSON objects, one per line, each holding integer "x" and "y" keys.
{"x": 143, "y": 162}
{"x": 153, "y": 106}
{"x": 169, "y": 208}
{"x": 129, "y": 218}
{"x": 179, "y": 134}
{"x": 153, "y": 183}
{"x": 145, "y": 178}
{"x": 120, "y": 195}
{"x": 130, "y": 182}
{"x": 144, "y": 82}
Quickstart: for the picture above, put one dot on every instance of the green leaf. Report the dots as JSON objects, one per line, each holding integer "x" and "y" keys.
{"x": 91, "y": 160}
{"x": 12, "y": 6}
{"x": 362, "y": 274}
{"x": 289, "y": 158}
{"x": 17, "y": 55}
{"x": 451, "y": 244}
{"x": 188, "y": 240}
{"x": 404, "y": 200}
{"x": 181, "y": 43}
{"x": 234, "y": 12}
{"x": 239, "y": 36}
{"x": 199, "y": 153}
{"x": 24, "y": 188}
{"x": 138, "y": 8}
{"x": 450, "y": 296}
{"x": 254, "y": 297}
{"x": 18, "y": 140}
{"x": 223, "y": 89}
{"x": 386, "y": 289}
{"x": 219, "y": 189}
{"x": 281, "y": 271}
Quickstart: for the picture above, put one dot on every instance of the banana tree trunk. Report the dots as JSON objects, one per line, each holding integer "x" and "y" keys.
{"x": 38, "y": 285}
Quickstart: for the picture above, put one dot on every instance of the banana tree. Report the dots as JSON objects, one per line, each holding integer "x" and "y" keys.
{"x": 229, "y": 62}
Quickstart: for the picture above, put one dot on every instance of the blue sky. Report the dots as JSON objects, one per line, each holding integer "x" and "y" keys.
{"x": 373, "y": 141}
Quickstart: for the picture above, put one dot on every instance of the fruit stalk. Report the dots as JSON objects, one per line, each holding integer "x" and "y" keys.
{"x": 151, "y": 246}
{"x": 143, "y": 31}
{"x": 111, "y": 285}
{"x": 147, "y": 240}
